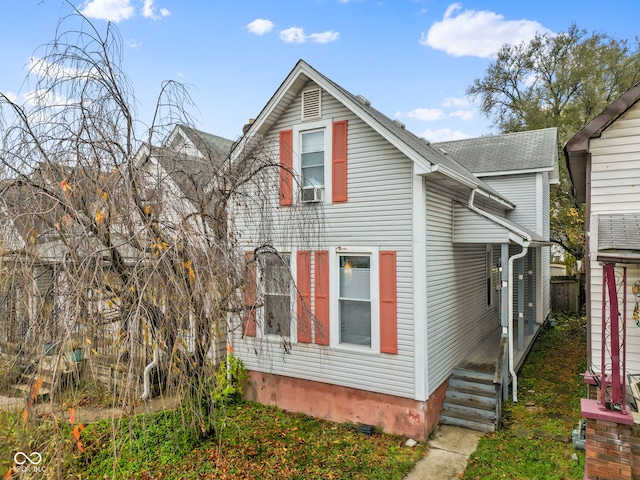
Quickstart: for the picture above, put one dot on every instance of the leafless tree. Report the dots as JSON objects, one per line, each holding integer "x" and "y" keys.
{"x": 116, "y": 236}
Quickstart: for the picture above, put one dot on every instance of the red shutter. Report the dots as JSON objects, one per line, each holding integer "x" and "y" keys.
{"x": 322, "y": 297}
{"x": 303, "y": 267}
{"x": 339, "y": 161}
{"x": 388, "y": 303}
{"x": 286, "y": 167}
{"x": 250, "y": 289}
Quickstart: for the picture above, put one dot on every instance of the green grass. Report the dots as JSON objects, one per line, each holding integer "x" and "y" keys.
{"x": 250, "y": 441}
{"x": 535, "y": 442}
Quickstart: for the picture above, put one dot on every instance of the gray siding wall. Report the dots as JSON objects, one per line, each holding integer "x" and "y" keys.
{"x": 378, "y": 214}
{"x": 615, "y": 180}
{"x": 530, "y": 193}
{"x": 522, "y": 191}
{"x": 457, "y": 316}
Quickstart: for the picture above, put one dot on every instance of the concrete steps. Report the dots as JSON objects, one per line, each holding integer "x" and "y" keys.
{"x": 472, "y": 401}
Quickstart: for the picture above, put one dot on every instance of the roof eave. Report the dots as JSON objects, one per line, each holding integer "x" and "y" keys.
{"x": 577, "y": 149}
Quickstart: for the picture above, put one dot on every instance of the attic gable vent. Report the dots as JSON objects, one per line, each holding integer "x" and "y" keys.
{"x": 311, "y": 104}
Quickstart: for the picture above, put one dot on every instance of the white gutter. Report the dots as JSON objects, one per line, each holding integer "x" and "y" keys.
{"x": 524, "y": 241}
{"x": 145, "y": 376}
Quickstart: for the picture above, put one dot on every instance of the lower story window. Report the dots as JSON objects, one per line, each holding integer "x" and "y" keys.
{"x": 354, "y": 302}
{"x": 277, "y": 295}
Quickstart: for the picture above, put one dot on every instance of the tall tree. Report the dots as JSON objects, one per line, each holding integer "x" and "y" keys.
{"x": 562, "y": 81}
{"x": 114, "y": 233}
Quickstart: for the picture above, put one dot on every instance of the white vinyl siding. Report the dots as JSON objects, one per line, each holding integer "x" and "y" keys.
{"x": 456, "y": 295}
{"x": 522, "y": 191}
{"x": 615, "y": 188}
{"x": 378, "y": 214}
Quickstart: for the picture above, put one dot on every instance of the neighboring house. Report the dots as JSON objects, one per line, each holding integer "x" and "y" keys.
{"x": 604, "y": 162}
{"x": 36, "y": 308}
{"x": 396, "y": 263}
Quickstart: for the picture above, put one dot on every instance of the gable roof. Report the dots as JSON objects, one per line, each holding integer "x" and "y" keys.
{"x": 577, "y": 149}
{"x": 425, "y": 157}
{"x": 206, "y": 143}
{"x": 192, "y": 159}
{"x": 509, "y": 153}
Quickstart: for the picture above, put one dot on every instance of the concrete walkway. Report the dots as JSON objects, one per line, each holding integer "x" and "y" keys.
{"x": 449, "y": 451}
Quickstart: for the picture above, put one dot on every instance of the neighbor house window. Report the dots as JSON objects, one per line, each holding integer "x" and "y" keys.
{"x": 277, "y": 294}
{"x": 354, "y": 302}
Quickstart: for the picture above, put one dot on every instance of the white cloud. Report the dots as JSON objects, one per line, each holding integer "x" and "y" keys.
{"x": 260, "y": 26}
{"x": 425, "y": 114}
{"x": 478, "y": 33}
{"x": 11, "y": 96}
{"x": 111, "y": 10}
{"x": 324, "y": 37}
{"x": 463, "y": 114}
{"x": 444, "y": 135}
{"x": 456, "y": 102}
{"x": 297, "y": 35}
{"x": 293, "y": 35}
{"x": 41, "y": 68}
{"x": 149, "y": 11}
{"x": 46, "y": 98}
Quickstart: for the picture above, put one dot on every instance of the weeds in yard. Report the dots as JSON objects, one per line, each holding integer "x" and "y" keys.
{"x": 535, "y": 442}
{"x": 251, "y": 441}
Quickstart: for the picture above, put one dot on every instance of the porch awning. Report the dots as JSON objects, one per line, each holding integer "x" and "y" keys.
{"x": 477, "y": 226}
{"x": 619, "y": 238}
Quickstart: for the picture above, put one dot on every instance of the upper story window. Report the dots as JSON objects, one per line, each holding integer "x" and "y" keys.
{"x": 312, "y": 164}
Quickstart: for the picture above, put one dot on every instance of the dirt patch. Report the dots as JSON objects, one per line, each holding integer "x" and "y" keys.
{"x": 89, "y": 414}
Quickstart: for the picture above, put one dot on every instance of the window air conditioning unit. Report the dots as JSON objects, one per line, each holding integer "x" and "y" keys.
{"x": 311, "y": 194}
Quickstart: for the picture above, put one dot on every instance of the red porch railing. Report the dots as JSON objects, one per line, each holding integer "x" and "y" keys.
{"x": 614, "y": 327}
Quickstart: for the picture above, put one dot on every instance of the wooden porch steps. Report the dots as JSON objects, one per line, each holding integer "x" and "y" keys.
{"x": 472, "y": 400}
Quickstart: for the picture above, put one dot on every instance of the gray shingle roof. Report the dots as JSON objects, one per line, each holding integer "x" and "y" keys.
{"x": 529, "y": 150}
{"x": 193, "y": 174}
{"x": 207, "y": 142}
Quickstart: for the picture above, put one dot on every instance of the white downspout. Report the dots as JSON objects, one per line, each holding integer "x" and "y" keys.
{"x": 525, "y": 248}
{"x": 147, "y": 370}
{"x": 512, "y": 370}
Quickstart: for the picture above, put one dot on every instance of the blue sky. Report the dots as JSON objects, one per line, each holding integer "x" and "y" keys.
{"x": 413, "y": 59}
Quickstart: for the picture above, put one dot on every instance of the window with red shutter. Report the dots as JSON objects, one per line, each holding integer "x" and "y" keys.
{"x": 303, "y": 274}
{"x": 321, "y": 297}
{"x": 388, "y": 303}
{"x": 339, "y": 161}
{"x": 286, "y": 167}
{"x": 250, "y": 291}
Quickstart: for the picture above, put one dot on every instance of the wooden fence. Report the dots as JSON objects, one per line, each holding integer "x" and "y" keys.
{"x": 565, "y": 294}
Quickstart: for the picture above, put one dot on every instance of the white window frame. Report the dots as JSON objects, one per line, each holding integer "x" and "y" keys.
{"x": 334, "y": 295}
{"x": 260, "y": 314}
{"x": 307, "y": 127}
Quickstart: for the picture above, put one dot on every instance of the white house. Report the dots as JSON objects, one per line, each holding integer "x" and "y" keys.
{"x": 604, "y": 162}
{"x": 398, "y": 261}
